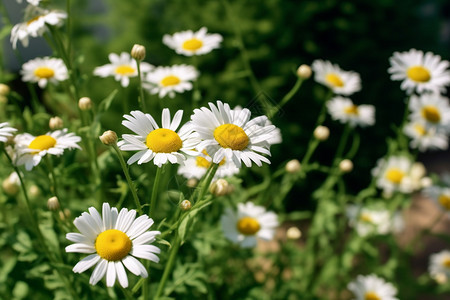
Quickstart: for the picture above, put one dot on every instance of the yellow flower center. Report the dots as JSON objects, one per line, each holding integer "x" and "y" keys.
{"x": 446, "y": 263}
{"x": 204, "y": 163}
{"x": 431, "y": 114}
{"x": 421, "y": 131}
{"x": 231, "y": 136}
{"x": 248, "y": 226}
{"x": 163, "y": 140}
{"x": 418, "y": 74}
{"x": 371, "y": 296}
{"x": 170, "y": 80}
{"x": 44, "y": 72}
{"x": 351, "y": 110}
{"x": 112, "y": 245}
{"x": 42, "y": 142}
{"x": 364, "y": 217}
{"x": 192, "y": 44}
{"x": 125, "y": 70}
{"x": 395, "y": 175}
{"x": 334, "y": 80}
{"x": 33, "y": 19}
{"x": 444, "y": 200}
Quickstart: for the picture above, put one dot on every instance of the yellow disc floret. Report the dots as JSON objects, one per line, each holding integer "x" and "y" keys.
{"x": 334, "y": 80}
{"x": 125, "y": 70}
{"x": 395, "y": 175}
{"x": 192, "y": 44}
{"x": 170, "y": 80}
{"x": 418, "y": 74}
{"x": 248, "y": 226}
{"x": 42, "y": 142}
{"x": 351, "y": 110}
{"x": 371, "y": 296}
{"x": 444, "y": 200}
{"x": 231, "y": 136}
{"x": 44, "y": 72}
{"x": 366, "y": 218}
{"x": 112, "y": 245}
{"x": 163, "y": 140}
{"x": 431, "y": 114}
{"x": 446, "y": 262}
{"x": 204, "y": 163}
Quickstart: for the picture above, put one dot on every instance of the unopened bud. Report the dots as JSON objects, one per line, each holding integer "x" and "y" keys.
{"x": 34, "y": 191}
{"x": 293, "y": 233}
{"x": 293, "y": 166}
{"x": 192, "y": 182}
{"x": 53, "y": 204}
{"x": 185, "y": 205}
{"x": 426, "y": 182}
{"x": 304, "y": 71}
{"x": 11, "y": 184}
{"x": 85, "y": 103}
{"x": 4, "y": 89}
{"x": 321, "y": 133}
{"x": 55, "y": 123}
{"x": 108, "y": 138}
{"x": 346, "y": 165}
{"x": 138, "y": 52}
{"x": 219, "y": 187}
{"x": 63, "y": 215}
{"x": 440, "y": 278}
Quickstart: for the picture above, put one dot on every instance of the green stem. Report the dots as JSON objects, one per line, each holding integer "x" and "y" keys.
{"x": 141, "y": 90}
{"x": 169, "y": 265}
{"x": 207, "y": 180}
{"x": 413, "y": 244}
{"x": 127, "y": 176}
{"x": 155, "y": 189}
{"x": 286, "y": 98}
{"x": 53, "y": 181}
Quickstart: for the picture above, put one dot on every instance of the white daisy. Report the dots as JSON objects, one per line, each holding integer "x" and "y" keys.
{"x": 36, "y": 25}
{"x": 196, "y": 167}
{"x": 367, "y": 221}
{"x": 115, "y": 239}
{"x": 193, "y": 43}
{"x": 343, "y": 110}
{"x": 168, "y": 80}
{"x": 32, "y": 2}
{"x": 232, "y": 135}
{"x": 393, "y": 174}
{"x": 339, "y": 81}
{"x": 30, "y": 149}
{"x": 420, "y": 72}
{"x": 249, "y": 223}
{"x": 44, "y": 70}
{"x": 372, "y": 287}
{"x": 425, "y": 138}
{"x": 5, "y": 131}
{"x": 433, "y": 109}
{"x": 440, "y": 195}
{"x": 164, "y": 144}
{"x": 122, "y": 68}
{"x": 439, "y": 266}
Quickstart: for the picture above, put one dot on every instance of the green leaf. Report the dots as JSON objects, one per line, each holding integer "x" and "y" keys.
{"x": 106, "y": 103}
{"x": 20, "y": 290}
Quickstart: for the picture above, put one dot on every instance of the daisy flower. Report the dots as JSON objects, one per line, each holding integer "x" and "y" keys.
{"x": 433, "y": 109}
{"x": 162, "y": 145}
{"x": 439, "y": 266}
{"x": 36, "y": 25}
{"x": 168, "y": 80}
{"x": 343, "y": 110}
{"x": 419, "y": 71}
{"x": 339, "y": 81}
{"x": 372, "y": 287}
{"x": 424, "y": 138}
{"x": 115, "y": 240}
{"x": 393, "y": 174}
{"x": 31, "y": 148}
{"x": 249, "y": 223}
{"x": 196, "y": 167}
{"x": 122, "y": 67}
{"x": 232, "y": 135}
{"x": 367, "y": 221}
{"x": 440, "y": 195}
{"x": 5, "y": 131}
{"x": 193, "y": 43}
{"x": 32, "y": 2}
{"x": 44, "y": 70}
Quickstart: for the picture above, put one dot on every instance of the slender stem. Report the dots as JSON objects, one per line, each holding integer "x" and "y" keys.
{"x": 286, "y": 98}
{"x": 207, "y": 180}
{"x": 413, "y": 244}
{"x": 169, "y": 265}
{"x": 155, "y": 189}
{"x": 53, "y": 181}
{"x": 127, "y": 176}
{"x": 141, "y": 90}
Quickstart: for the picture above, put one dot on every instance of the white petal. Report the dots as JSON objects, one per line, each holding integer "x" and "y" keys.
{"x": 121, "y": 274}
{"x": 99, "y": 272}
{"x": 134, "y": 266}
{"x": 111, "y": 274}
{"x": 86, "y": 263}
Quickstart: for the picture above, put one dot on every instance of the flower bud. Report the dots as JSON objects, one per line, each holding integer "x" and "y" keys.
{"x": 185, "y": 205}
{"x": 346, "y": 165}
{"x": 293, "y": 233}
{"x": 321, "y": 133}
{"x": 4, "y": 89}
{"x": 53, "y": 204}
{"x": 11, "y": 184}
{"x": 304, "y": 71}
{"x": 108, "y": 138}
{"x": 192, "y": 182}
{"x": 34, "y": 191}
{"x": 55, "y": 123}
{"x": 138, "y": 52}
{"x": 63, "y": 215}
{"x": 220, "y": 187}
{"x": 85, "y": 103}
{"x": 293, "y": 166}
{"x": 426, "y": 182}
{"x": 440, "y": 278}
